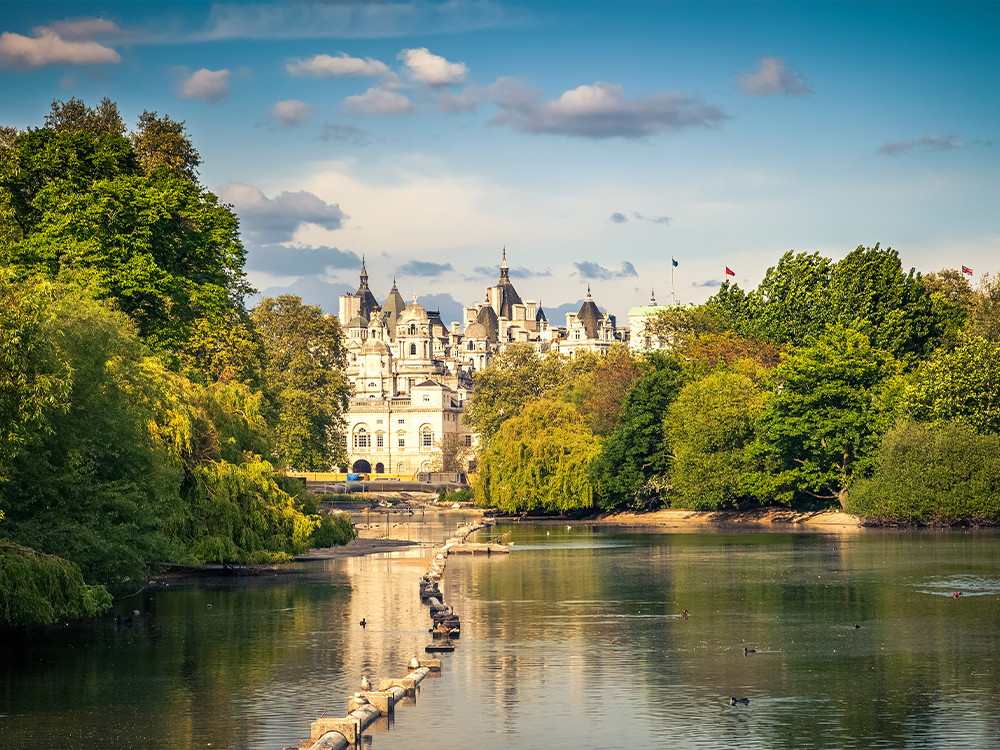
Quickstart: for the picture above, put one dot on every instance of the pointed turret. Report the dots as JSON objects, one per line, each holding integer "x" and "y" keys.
{"x": 589, "y": 316}
{"x": 368, "y": 302}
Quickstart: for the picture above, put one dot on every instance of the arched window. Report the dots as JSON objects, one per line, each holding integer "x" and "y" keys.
{"x": 362, "y": 440}
{"x": 413, "y": 328}
{"x": 426, "y": 438}
{"x": 413, "y": 348}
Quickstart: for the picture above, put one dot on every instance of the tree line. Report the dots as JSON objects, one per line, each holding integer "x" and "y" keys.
{"x": 146, "y": 414}
{"x": 851, "y": 384}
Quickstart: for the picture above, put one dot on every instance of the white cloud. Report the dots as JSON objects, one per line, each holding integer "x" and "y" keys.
{"x": 85, "y": 28}
{"x": 466, "y": 100}
{"x": 774, "y": 78}
{"x": 432, "y": 69}
{"x": 64, "y": 43}
{"x": 208, "y": 85}
{"x": 339, "y": 67}
{"x": 378, "y": 101}
{"x": 291, "y": 112}
{"x": 600, "y": 110}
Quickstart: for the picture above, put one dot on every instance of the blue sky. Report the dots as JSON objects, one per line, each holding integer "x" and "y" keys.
{"x": 594, "y": 140}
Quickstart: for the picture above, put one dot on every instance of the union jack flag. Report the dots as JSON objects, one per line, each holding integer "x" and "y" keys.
{"x": 967, "y": 270}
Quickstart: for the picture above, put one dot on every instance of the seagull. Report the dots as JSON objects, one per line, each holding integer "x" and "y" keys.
{"x": 359, "y": 698}
{"x": 365, "y": 685}
{"x": 749, "y": 651}
{"x": 414, "y": 662}
{"x": 362, "y": 623}
{"x": 734, "y": 701}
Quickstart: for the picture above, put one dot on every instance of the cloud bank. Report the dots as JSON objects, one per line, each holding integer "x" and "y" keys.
{"x": 273, "y": 220}
{"x": 59, "y": 43}
{"x": 208, "y": 85}
{"x": 590, "y": 270}
{"x": 599, "y": 110}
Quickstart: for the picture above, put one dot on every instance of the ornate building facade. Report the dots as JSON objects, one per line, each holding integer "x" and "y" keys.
{"x": 412, "y": 375}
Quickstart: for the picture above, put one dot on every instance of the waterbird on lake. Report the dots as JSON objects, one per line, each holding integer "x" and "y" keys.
{"x": 749, "y": 651}
{"x": 734, "y": 701}
{"x": 414, "y": 662}
{"x": 685, "y": 614}
{"x": 365, "y": 684}
{"x": 362, "y": 623}
{"x": 359, "y": 698}
{"x": 955, "y": 594}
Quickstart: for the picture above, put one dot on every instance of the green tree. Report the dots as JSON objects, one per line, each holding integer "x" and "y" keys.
{"x": 39, "y": 589}
{"x": 962, "y": 385}
{"x": 73, "y": 115}
{"x": 162, "y": 143}
{"x": 540, "y": 460}
{"x": 823, "y": 423}
{"x": 306, "y": 360}
{"x": 33, "y": 378}
{"x": 602, "y": 390}
{"x": 951, "y": 300}
{"x": 709, "y": 428}
{"x": 941, "y": 473}
{"x": 517, "y": 376}
{"x": 76, "y": 205}
{"x": 90, "y": 484}
{"x": 632, "y": 455}
{"x": 869, "y": 291}
{"x": 792, "y": 302}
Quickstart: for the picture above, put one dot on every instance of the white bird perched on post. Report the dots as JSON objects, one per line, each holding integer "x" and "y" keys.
{"x": 365, "y": 684}
{"x": 414, "y": 662}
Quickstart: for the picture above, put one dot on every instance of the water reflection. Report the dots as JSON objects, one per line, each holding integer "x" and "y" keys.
{"x": 573, "y": 640}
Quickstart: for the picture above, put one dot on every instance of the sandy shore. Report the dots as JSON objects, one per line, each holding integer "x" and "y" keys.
{"x": 357, "y": 548}
{"x": 771, "y": 518}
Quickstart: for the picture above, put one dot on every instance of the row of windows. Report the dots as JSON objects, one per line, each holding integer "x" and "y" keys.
{"x": 362, "y": 439}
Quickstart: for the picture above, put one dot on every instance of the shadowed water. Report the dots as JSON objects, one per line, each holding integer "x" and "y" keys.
{"x": 571, "y": 641}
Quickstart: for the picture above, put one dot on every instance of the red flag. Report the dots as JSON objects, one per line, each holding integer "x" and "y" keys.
{"x": 730, "y": 271}
{"x": 966, "y": 269}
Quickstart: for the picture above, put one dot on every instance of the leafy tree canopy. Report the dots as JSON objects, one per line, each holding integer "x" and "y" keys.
{"x": 540, "y": 459}
{"x": 962, "y": 385}
{"x": 824, "y": 421}
{"x": 306, "y": 359}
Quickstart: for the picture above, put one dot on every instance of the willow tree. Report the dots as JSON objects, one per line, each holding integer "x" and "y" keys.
{"x": 539, "y": 460}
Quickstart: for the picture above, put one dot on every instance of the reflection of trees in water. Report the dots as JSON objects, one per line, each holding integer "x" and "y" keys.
{"x": 566, "y": 619}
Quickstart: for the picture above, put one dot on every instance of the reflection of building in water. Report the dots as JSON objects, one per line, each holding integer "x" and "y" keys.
{"x": 412, "y": 375}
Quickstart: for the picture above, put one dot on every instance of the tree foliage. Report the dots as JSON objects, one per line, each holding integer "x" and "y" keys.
{"x": 77, "y": 205}
{"x": 306, "y": 359}
{"x": 709, "y": 428}
{"x": 962, "y": 385}
{"x": 633, "y": 453}
{"x": 539, "y": 460}
{"x": 516, "y": 376}
{"x": 940, "y": 473}
{"x": 824, "y": 421}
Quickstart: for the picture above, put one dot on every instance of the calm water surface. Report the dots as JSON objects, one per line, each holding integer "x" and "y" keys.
{"x": 571, "y": 641}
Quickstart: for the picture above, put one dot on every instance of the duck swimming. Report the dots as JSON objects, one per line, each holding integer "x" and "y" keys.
{"x": 734, "y": 701}
{"x": 749, "y": 651}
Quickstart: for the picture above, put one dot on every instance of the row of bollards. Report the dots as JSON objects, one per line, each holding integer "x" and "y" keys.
{"x": 365, "y": 707}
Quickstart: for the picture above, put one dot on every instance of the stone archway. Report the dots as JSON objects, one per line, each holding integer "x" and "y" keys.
{"x": 361, "y": 467}
{"x": 379, "y": 468}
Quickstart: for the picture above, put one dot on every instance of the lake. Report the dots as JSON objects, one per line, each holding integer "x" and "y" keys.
{"x": 574, "y": 640}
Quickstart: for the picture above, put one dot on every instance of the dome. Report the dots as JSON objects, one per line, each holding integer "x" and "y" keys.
{"x": 476, "y": 331}
{"x": 414, "y": 313}
{"x": 357, "y": 321}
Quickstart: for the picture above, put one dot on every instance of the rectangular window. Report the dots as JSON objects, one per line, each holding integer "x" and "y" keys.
{"x": 402, "y": 441}
{"x": 427, "y": 439}
{"x": 380, "y": 440}
{"x": 402, "y": 421}
{"x": 468, "y": 441}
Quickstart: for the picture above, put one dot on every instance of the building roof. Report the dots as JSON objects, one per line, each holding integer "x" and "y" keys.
{"x": 508, "y": 294}
{"x": 589, "y": 316}
{"x": 394, "y": 305}
{"x": 369, "y": 304}
{"x": 488, "y": 319}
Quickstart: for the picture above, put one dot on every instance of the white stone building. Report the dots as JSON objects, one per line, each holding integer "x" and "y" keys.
{"x": 412, "y": 375}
